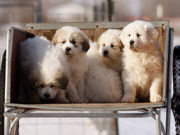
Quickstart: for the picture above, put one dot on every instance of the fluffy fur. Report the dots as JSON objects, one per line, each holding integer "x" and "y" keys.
{"x": 110, "y": 49}
{"x": 102, "y": 83}
{"x": 75, "y": 44}
{"x": 143, "y": 63}
{"x": 45, "y": 68}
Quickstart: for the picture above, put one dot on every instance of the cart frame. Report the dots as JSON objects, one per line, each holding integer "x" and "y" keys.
{"x": 17, "y": 111}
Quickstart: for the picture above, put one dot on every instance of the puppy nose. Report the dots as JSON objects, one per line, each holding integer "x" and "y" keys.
{"x": 131, "y": 42}
{"x": 46, "y": 95}
{"x": 68, "y": 49}
{"x": 105, "y": 52}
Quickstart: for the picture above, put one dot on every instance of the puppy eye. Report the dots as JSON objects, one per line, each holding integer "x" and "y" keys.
{"x": 41, "y": 86}
{"x": 73, "y": 42}
{"x": 112, "y": 46}
{"x": 129, "y": 35}
{"x": 63, "y": 41}
{"x": 138, "y": 35}
{"x": 52, "y": 86}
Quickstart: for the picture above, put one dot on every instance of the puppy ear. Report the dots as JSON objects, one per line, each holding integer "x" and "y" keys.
{"x": 152, "y": 32}
{"x": 98, "y": 43}
{"x": 121, "y": 45}
{"x": 63, "y": 82}
{"x": 85, "y": 45}
{"x": 34, "y": 75}
{"x": 121, "y": 37}
{"x": 55, "y": 37}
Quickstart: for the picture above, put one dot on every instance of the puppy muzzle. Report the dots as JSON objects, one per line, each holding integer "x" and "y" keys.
{"x": 131, "y": 44}
{"x": 105, "y": 53}
{"x": 68, "y": 51}
{"x": 47, "y": 95}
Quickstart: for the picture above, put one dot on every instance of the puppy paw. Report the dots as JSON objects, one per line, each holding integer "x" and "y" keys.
{"x": 65, "y": 101}
{"x": 156, "y": 98}
{"x": 62, "y": 100}
{"x": 128, "y": 100}
{"x": 77, "y": 100}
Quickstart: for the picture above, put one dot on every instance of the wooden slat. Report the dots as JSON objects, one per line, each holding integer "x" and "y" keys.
{"x": 88, "y": 25}
{"x": 90, "y": 106}
{"x": 93, "y": 34}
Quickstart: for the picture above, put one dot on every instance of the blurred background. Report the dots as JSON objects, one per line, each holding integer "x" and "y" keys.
{"x": 20, "y": 12}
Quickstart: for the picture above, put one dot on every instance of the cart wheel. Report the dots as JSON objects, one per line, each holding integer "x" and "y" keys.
{"x": 176, "y": 85}
{"x": 2, "y": 90}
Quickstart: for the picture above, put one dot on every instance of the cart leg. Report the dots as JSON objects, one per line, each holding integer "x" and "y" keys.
{"x": 168, "y": 119}
{"x": 15, "y": 129}
{"x": 11, "y": 127}
{"x": 117, "y": 126}
{"x": 168, "y": 108}
{"x": 6, "y": 125}
{"x": 158, "y": 122}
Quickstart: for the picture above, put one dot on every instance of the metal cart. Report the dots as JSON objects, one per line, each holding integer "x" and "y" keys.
{"x": 15, "y": 110}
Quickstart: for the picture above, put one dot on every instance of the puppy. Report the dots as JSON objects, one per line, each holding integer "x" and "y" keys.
{"x": 102, "y": 83}
{"x": 45, "y": 71}
{"x": 75, "y": 44}
{"x": 143, "y": 63}
{"x": 110, "y": 49}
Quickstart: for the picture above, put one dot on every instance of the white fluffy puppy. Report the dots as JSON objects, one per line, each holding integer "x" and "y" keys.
{"x": 75, "y": 44}
{"x": 110, "y": 49}
{"x": 102, "y": 83}
{"x": 45, "y": 68}
{"x": 143, "y": 63}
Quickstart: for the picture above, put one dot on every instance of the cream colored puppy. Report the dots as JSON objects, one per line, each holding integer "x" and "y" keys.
{"x": 45, "y": 72}
{"x": 143, "y": 63}
{"x": 102, "y": 83}
{"x": 110, "y": 49}
{"x": 75, "y": 44}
